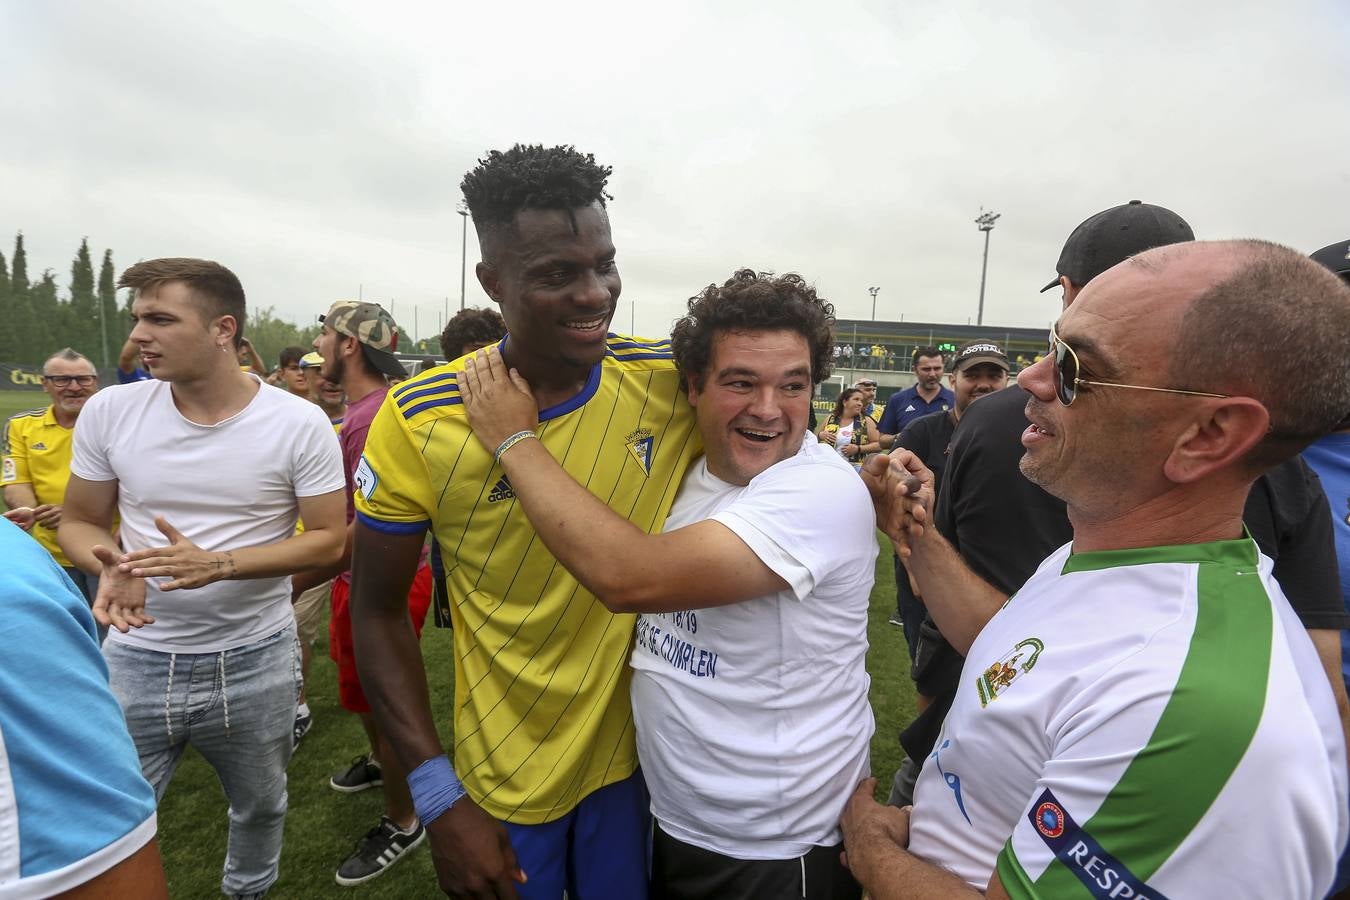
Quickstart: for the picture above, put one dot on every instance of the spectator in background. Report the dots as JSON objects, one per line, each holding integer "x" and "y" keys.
{"x": 311, "y": 603}
{"x": 129, "y": 366}
{"x": 84, "y": 820}
{"x": 357, "y": 344}
{"x": 468, "y": 330}
{"x": 37, "y": 456}
{"x": 925, "y": 397}
{"x": 848, "y": 431}
{"x": 471, "y": 329}
{"x": 249, "y": 360}
{"x": 292, "y": 376}
{"x": 328, "y": 394}
{"x": 868, "y": 386}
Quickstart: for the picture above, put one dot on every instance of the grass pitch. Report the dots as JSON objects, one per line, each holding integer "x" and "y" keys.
{"x": 322, "y": 825}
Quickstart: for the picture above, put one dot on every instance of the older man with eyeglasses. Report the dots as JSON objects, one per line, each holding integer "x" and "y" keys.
{"x": 1149, "y": 692}
{"x": 37, "y": 457}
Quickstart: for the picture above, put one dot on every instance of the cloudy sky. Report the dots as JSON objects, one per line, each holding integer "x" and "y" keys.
{"x": 316, "y": 148}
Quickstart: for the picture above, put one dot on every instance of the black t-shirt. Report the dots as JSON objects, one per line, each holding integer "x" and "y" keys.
{"x": 1004, "y": 525}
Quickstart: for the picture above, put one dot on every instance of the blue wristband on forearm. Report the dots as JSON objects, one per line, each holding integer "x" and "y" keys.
{"x": 434, "y": 788}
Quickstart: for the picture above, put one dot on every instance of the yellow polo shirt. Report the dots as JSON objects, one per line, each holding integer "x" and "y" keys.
{"x": 37, "y": 452}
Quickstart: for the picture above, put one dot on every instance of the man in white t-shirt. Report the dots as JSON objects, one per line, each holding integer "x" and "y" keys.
{"x": 208, "y": 473}
{"x": 749, "y": 687}
{"x": 1146, "y": 717}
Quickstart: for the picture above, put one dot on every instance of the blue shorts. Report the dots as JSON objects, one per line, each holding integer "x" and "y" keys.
{"x": 598, "y": 851}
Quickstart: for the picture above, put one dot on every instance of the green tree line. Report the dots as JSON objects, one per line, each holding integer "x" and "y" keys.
{"x": 36, "y": 320}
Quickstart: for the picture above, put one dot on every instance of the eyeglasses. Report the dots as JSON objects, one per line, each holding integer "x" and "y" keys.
{"x": 64, "y": 380}
{"x": 1067, "y": 380}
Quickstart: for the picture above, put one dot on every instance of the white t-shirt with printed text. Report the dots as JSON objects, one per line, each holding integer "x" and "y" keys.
{"x": 226, "y": 486}
{"x": 752, "y": 718}
{"x": 1140, "y": 723}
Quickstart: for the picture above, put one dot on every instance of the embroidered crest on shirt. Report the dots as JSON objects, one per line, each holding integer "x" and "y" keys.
{"x": 640, "y": 444}
{"x": 1000, "y": 676}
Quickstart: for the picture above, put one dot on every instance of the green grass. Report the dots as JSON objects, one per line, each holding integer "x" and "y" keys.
{"x": 322, "y": 825}
{"x": 12, "y": 402}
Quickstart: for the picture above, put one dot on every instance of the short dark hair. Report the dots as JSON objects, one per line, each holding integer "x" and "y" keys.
{"x": 215, "y": 289}
{"x": 475, "y": 325}
{"x": 926, "y": 351}
{"x": 1278, "y": 320}
{"x": 531, "y": 176}
{"x": 750, "y": 301}
{"x": 290, "y": 356}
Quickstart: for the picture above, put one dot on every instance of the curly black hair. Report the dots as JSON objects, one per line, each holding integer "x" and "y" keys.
{"x": 532, "y": 176}
{"x": 753, "y": 301}
{"x": 471, "y": 326}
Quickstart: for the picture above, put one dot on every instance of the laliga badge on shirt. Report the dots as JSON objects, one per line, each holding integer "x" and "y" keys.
{"x": 365, "y": 480}
{"x": 11, "y": 471}
{"x": 1000, "y": 676}
{"x": 640, "y": 444}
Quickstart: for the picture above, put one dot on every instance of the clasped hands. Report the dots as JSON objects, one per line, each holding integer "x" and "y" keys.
{"x": 903, "y": 496}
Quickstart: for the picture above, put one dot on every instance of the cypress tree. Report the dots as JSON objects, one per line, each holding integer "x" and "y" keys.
{"x": 48, "y": 313}
{"x": 6, "y": 313}
{"x": 111, "y": 326}
{"x": 19, "y": 268}
{"x": 82, "y": 331}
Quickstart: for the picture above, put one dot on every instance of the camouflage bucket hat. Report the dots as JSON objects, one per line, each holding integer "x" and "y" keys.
{"x": 373, "y": 327}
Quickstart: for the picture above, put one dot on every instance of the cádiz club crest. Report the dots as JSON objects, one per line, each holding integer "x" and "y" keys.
{"x": 640, "y": 445}
{"x": 1000, "y": 676}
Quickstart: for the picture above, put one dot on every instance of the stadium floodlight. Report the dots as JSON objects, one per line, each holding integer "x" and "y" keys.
{"x": 985, "y": 221}
{"x": 463, "y": 210}
{"x": 873, "y": 291}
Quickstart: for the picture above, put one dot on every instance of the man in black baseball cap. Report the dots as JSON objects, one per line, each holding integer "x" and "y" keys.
{"x": 1113, "y": 235}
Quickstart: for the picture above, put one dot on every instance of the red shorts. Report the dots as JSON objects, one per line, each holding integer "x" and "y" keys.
{"x": 341, "y": 647}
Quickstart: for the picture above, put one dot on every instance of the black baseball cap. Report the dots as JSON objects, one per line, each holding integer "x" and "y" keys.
{"x": 976, "y": 352}
{"x": 1113, "y": 236}
{"x": 1335, "y": 257}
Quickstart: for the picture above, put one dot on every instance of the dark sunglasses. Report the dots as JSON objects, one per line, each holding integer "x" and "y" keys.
{"x": 1067, "y": 380}
{"x": 63, "y": 380}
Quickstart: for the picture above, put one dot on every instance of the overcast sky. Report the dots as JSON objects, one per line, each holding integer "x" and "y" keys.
{"x": 317, "y": 148}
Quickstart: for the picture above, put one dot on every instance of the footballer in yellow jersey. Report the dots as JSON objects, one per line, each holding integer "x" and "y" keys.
{"x": 541, "y": 675}
{"x": 544, "y": 741}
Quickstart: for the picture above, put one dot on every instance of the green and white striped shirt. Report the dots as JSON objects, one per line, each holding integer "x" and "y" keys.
{"x": 1140, "y": 723}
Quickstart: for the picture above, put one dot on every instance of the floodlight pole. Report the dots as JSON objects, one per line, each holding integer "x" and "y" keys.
{"x": 463, "y": 211}
{"x": 873, "y": 291}
{"x": 985, "y": 221}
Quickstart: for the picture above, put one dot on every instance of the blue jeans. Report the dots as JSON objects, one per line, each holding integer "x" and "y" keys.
{"x": 237, "y": 708}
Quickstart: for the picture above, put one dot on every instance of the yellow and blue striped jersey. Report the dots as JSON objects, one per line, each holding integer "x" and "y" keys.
{"x": 542, "y": 714}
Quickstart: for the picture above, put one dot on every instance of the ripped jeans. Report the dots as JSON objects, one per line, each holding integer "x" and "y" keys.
{"x": 237, "y": 708}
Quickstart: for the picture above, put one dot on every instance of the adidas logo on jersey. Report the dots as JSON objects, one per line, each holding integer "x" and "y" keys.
{"x": 501, "y": 491}
{"x": 39, "y": 446}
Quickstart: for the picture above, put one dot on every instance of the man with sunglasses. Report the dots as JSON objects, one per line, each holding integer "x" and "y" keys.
{"x": 1148, "y": 693}
{"x": 980, "y": 561}
{"x": 37, "y": 456}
